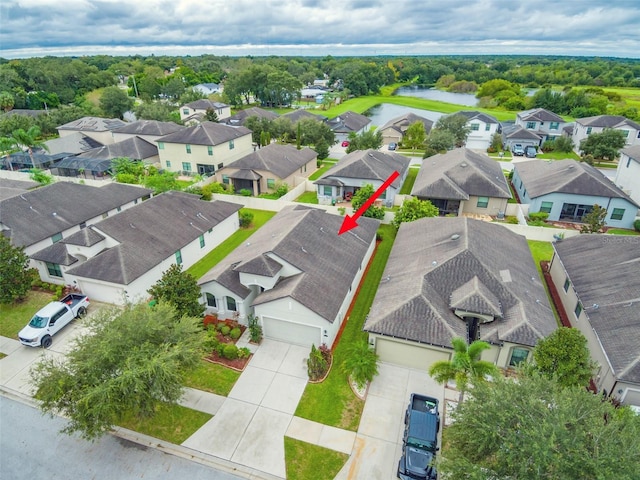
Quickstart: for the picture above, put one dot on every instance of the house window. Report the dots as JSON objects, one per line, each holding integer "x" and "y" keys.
{"x": 231, "y": 145}
{"x": 578, "y": 309}
{"x": 521, "y": 184}
{"x": 487, "y": 127}
{"x": 201, "y": 238}
{"x": 567, "y": 284}
{"x": 168, "y": 162}
{"x": 531, "y": 125}
{"x": 179, "y": 257}
{"x": 617, "y": 214}
{"x": 119, "y": 209}
{"x": 271, "y": 183}
{"x": 225, "y": 179}
{"x": 210, "y": 150}
{"x": 186, "y": 166}
{"x": 231, "y": 304}
{"x": 220, "y": 165}
{"x": 554, "y": 125}
{"x": 628, "y": 162}
{"x": 589, "y": 130}
{"x": 483, "y": 202}
{"x": 626, "y": 133}
{"x": 160, "y": 145}
{"x": 54, "y": 270}
{"x": 518, "y": 355}
{"x": 185, "y": 111}
{"x": 383, "y": 195}
{"x": 188, "y": 147}
{"x": 328, "y": 190}
{"x": 546, "y": 207}
{"x": 56, "y": 238}
{"x": 475, "y": 127}
{"x": 211, "y": 300}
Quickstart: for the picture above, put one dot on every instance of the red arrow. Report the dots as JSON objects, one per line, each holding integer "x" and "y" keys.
{"x": 350, "y": 222}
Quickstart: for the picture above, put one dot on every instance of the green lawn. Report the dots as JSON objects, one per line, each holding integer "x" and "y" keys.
{"x": 260, "y": 217}
{"x": 308, "y": 197}
{"x": 15, "y": 316}
{"x": 543, "y": 251}
{"x": 311, "y": 462}
{"x": 321, "y": 171}
{"x": 622, "y": 231}
{"x": 172, "y": 423}
{"x": 212, "y": 378}
{"x": 557, "y": 155}
{"x": 409, "y": 181}
{"x": 332, "y": 402}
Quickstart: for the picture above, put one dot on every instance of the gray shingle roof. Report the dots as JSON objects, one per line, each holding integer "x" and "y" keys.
{"x": 540, "y": 177}
{"x": 281, "y": 160}
{"x": 430, "y": 271}
{"x": 84, "y": 238}
{"x": 56, "y": 253}
{"x": 403, "y": 122}
{"x": 307, "y": 239}
{"x": 206, "y": 133}
{"x": 11, "y": 188}
{"x": 301, "y": 114}
{"x": 367, "y": 165}
{"x": 607, "y": 121}
{"x": 459, "y": 174}
{"x": 604, "y": 272}
{"x": 45, "y": 211}
{"x": 204, "y": 104}
{"x": 539, "y": 115}
{"x": 240, "y": 117}
{"x": 349, "y": 122}
{"x": 151, "y": 232}
{"x": 149, "y": 127}
{"x": 632, "y": 151}
{"x": 517, "y": 132}
{"x": 134, "y": 148}
{"x": 73, "y": 143}
{"x": 93, "y": 124}
{"x": 474, "y": 115}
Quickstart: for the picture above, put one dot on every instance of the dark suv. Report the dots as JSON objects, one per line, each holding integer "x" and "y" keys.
{"x": 530, "y": 151}
{"x": 420, "y": 441}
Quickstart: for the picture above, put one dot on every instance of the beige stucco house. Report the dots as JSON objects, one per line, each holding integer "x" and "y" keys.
{"x": 458, "y": 277}
{"x": 597, "y": 279}
{"x": 97, "y": 128}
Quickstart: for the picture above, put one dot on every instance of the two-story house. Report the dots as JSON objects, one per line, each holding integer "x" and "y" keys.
{"x": 194, "y": 112}
{"x": 99, "y": 129}
{"x": 203, "y": 148}
{"x": 482, "y": 127}
{"x": 628, "y": 172}
{"x": 546, "y": 124}
{"x": 588, "y": 125}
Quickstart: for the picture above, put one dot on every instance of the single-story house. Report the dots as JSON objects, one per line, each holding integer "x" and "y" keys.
{"x": 394, "y": 129}
{"x": 118, "y": 259}
{"x": 71, "y": 144}
{"x": 458, "y": 277}
{"x": 11, "y": 188}
{"x": 628, "y": 172}
{"x": 266, "y": 168}
{"x": 349, "y": 122}
{"x": 149, "y": 130}
{"x": 462, "y": 181}
{"x": 295, "y": 274}
{"x": 597, "y": 281}
{"x": 240, "y": 117}
{"x": 567, "y": 190}
{"x": 100, "y": 129}
{"x": 546, "y": 124}
{"x": 203, "y": 148}
{"x": 358, "y": 169}
{"x": 208, "y": 88}
{"x": 310, "y": 93}
{"x": 301, "y": 114}
{"x": 44, "y": 216}
{"x": 482, "y": 127}
{"x": 513, "y": 134}
{"x": 195, "y": 111}
{"x": 588, "y": 125}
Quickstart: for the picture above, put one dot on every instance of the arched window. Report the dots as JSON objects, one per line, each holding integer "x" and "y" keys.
{"x": 231, "y": 304}
{"x": 211, "y": 300}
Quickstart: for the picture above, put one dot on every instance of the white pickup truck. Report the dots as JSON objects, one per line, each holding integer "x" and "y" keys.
{"x": 51, "y": 318}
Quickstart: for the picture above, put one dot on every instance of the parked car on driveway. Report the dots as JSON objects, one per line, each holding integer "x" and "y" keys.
{"x": 345, "y": 143}
{"x": 51, "y": 318}
{"x": 393, "y": 146}
{"x": 517, "y": 150}
{"x": 530, "y": 151}
{"x": 420, "y": 440}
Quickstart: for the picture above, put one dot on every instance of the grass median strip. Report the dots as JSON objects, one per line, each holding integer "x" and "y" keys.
{"x": 213, "y": 378}
{"x": 311, "y": 462}
{"x": 332, "y": 402}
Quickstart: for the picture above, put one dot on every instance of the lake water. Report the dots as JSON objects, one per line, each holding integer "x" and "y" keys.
{"x": 465, "y": 99}
{"x": 381, "y": 114}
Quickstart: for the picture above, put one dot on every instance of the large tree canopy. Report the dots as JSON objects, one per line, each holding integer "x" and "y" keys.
{"x": 114, "y": 102}
{"x": 534, "y": 429}
{"x": 131, "y": 360}
{"x": 605, "y": 145}
{"x": 179, "y": 289}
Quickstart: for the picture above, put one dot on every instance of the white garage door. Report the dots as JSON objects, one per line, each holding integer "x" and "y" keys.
{"x": 414, "y": 356}
{"x": 477, "y": 144}
{"x": 290, "y": 332}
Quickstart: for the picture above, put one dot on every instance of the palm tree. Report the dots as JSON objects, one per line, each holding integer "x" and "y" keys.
{"x": 360, "y": 363}
{"x": 28, "y": 140}
{"x": 465, "y": 366}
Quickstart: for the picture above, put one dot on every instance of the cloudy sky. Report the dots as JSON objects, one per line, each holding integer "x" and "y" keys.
{"x": 319, "y": 27}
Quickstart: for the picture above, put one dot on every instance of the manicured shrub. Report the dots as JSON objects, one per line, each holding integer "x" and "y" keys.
{"x": 282, "y": 190}
{"x": 636, "y": 225}
{"x": 512, "y": 220}
{"x": 316, "y": 364}
{"x": 244, "y": 352}
{"x": 225, "y": 330}
{"x": 220, "y": 348}
{"x": 230, "y": 352}
{"x": 245, "y": 192}
{"x": 255, "y": 329}
{"x": 211, "y": 340}
{"x": 245, "y": 219}
{"x": 220, "y": 326}
{"x": 235, "y": 333}
{"x": 542, "y": 216}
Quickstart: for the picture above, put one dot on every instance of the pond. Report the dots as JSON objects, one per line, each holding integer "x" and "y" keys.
{"x": 382, "y": 113}
{"x": 465, "y": 99}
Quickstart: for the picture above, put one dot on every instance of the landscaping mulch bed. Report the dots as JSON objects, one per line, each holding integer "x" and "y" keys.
{"x": 555, "y": 296}
{"x": 239, "y": 364}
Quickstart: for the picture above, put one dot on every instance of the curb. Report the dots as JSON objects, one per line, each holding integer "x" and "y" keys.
{"x": 161, "y": 445}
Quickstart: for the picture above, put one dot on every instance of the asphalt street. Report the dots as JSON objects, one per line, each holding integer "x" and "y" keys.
{"x": 33, "y": 448}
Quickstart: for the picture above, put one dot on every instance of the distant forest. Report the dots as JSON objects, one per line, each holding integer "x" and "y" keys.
{"x": 50, "y": 82}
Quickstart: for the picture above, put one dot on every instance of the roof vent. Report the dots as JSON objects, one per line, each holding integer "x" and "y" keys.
{"x": 464, "y": 165}
{"x": 455, "y": 236}
{"x": 434, "y": 263}
{"x": 54, "y": 214}
{"x": 132, "y": 225}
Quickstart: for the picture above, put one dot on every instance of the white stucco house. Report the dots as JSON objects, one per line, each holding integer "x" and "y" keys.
{"x": 97, "y": 128}
{"x": 546, "y": 124}
{"x": 458, "y": 277}
{"x": 295, "y": 274}
{"x": 482, "y": 127}
{"x": 597, "y": 281}
{"x": 195, "y": 111}
{"x": 628, "y": 172}
{"x": 120, "y": 258}
{"x": 586, "y": 126}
